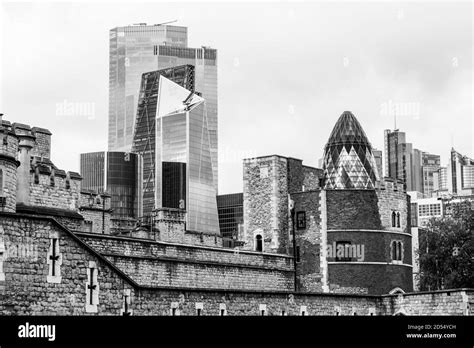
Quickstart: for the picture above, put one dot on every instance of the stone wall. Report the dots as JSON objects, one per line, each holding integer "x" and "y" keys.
{"x": 308, "y": 241}
{"x": 29, "y": 288}
{"x": 357, "y": 209}
{"x": 42, "y": 146}
{"x": 444, "y": 302}
{"x": 57, "y": 196}
{"x": 152, "y": 263}
{"x": 363, "y": 219}
{"x": 8, "y": 165}
{"x": 393, "y": 198}
{"x": 266, "y": 203}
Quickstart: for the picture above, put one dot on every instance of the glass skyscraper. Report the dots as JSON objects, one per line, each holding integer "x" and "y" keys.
{"x": 231, "y": 214}
{"x": 144, "y": 140}
{"x": 181, "y": 137}
{"x": 117, "y": 173}
{"x": 131, "y": 53}
{"x": 138, "y": 49}
{"x": 348, "y": 159}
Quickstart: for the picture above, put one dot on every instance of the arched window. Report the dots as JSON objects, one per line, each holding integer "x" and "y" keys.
{"x": 394, "y": 217}
{"x": 258, "y": 242}
{"x": 397, "y": 250}
{"x": 398, "y": 219}
{"x": 51, "y": 180}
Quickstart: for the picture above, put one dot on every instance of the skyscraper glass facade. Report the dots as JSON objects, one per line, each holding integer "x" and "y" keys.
{"x": 118, "y": 174}
{"x": 144, "y": 140}
{"x": 131, "y": 53}
{"x": 231, "y": 214}
{"x": 204, "y": 60}
{"x": 348, "y": 158}
{"x": 138, "y": 49}
{"x": 182, "y": 137}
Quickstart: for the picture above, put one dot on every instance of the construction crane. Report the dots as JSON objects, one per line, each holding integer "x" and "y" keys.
{"x": 165, "y": 23}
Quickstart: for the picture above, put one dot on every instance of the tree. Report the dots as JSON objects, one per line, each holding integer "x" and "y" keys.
{"x": 446, "y": 251}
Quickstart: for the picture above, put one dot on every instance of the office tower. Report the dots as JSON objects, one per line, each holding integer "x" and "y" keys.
{"x": 440, "y": 182}
{"x": 402, "y": 161}
{"x": 430, "y": 166}
{"x": 118, "y": 174}
{"x": 204, "y": 60}
{"x": 131, "y": 53}
{"x": 460, "y": 174}
{"x": 144, "y": 140}
{"x": 348, "y": 158}
{"x": 135, "y": 50}
{"x": 231, "y": 214}
{"x": 416, "y": 179}
{"x": 181, "y": 150}
{"x": 378, "y": 161}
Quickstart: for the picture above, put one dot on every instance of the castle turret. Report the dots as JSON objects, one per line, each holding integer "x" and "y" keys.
{"x": 26, "y": 142}
{"x": 8, "y": 166}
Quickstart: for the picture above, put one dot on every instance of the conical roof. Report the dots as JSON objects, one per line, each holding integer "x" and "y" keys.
{"x": 348, "y": 158}
{"x": 347, "y": 130}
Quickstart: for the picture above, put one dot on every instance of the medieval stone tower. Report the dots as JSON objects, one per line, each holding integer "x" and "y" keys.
{"x": 8, "y": 166}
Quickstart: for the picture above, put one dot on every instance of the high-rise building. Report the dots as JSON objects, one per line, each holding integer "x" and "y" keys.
{"x": 131, "y": 53}
{"x": 144, "y": 141}
{"x": 179, "y": 153}
{"x": 440, "y": 182}
{"x": 117, "y": 173}
{"x": 135, "y": 50}
{"x": 460, "y": 174}
{"x": 231, "y": 214}
{"x": 406, "y": 163}
{"x": 430, "y": 166}
{"x": 204, "y": 61}
{"x": 393, "y": 167}
{"x": 378, "y": 161}
{"x": 348, "y": 158}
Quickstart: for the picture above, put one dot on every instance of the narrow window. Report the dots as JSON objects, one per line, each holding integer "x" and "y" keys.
{"x": 301, "y": 220}
{"x": 51, "y": 180}
{"x": 1, "y": 181}
{"x": 394, "y": 216}
{"x": 398, "y": 219}
{"x": 258, "y": 242}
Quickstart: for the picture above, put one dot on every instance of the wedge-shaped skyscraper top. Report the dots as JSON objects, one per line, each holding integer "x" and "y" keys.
{"x": 182, "y": 139}
{"x": 348, "y": 159}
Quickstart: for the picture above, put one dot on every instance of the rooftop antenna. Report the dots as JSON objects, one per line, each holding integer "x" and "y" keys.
{"x": 165, "y": 23}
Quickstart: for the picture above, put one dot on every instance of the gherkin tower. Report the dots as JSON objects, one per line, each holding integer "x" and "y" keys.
{"x": 348, "y": 159}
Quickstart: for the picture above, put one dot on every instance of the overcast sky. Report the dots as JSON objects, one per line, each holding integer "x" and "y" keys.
{"x": 286, "y": 71}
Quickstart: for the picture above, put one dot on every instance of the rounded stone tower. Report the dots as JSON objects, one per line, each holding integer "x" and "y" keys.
{"x": 8, "y": 166}
{"x": 368, "y": 235}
